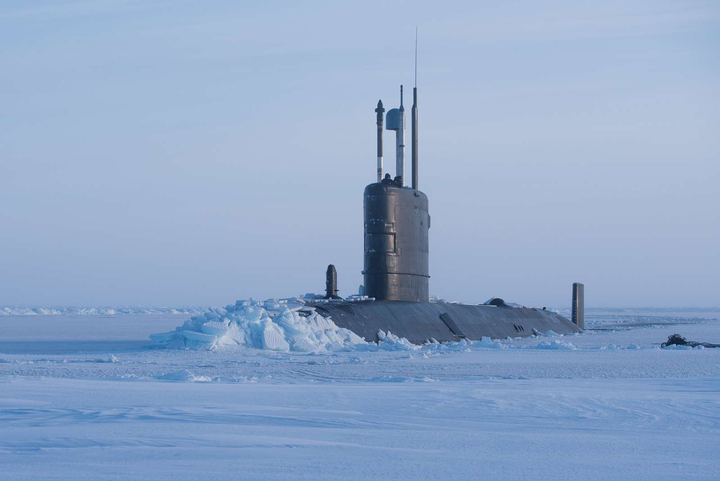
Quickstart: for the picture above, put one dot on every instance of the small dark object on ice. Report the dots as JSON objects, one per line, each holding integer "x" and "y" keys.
{"x": 678, "y": 340}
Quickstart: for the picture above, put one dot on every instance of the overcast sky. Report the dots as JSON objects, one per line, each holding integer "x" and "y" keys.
{"x": 196, "y": 152}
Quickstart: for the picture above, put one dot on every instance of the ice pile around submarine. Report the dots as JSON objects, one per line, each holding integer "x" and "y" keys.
{"x": 277, "y": 325}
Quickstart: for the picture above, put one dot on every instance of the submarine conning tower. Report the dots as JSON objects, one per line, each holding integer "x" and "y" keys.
{"x": 397, "y": 222}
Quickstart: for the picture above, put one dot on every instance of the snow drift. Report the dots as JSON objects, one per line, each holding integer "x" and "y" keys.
{"x": 276, "y": 325}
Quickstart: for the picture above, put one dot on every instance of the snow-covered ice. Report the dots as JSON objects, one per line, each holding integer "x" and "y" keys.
{"x": 275, "y": 325}
{"x": 89, "y": 396}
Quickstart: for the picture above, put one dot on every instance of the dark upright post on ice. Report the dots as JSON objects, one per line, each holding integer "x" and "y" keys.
{"x": 578, "y": 305}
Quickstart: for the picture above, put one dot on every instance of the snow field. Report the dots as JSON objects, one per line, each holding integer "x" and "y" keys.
{"x": 86, "y": 398}
{"x": 498, "y": 428}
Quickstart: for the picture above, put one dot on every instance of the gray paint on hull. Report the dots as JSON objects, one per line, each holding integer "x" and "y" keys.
{"x": 396, "y": 260}
{"x": 420, "y": 321}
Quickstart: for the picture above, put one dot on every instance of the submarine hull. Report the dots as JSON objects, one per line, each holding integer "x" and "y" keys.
{"x": 420, "y": 322}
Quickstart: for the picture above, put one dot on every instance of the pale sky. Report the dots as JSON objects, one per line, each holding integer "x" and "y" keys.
{"x": 199, "y": 152}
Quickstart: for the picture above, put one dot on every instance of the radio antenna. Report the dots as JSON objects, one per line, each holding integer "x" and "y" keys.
{"x": 416, "y": 36}
{"x": 415, "y": 123}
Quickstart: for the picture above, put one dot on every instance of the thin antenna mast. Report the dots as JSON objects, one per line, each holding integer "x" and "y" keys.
{"x": 414, "y": 121}
{"x": 400, "y": 142}
{"x": 380, "y": 116}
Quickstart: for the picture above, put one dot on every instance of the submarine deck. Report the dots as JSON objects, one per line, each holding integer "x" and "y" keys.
{"x": 419, "y": 322}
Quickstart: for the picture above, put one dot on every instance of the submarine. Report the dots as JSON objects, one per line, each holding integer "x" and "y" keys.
{"x": 396, "y": 275}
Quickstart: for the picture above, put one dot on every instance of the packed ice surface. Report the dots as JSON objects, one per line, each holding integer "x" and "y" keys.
{"x": 89, "y": 397}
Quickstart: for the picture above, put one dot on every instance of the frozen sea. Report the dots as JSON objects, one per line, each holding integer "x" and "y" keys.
{"x": 85, "y": 395}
